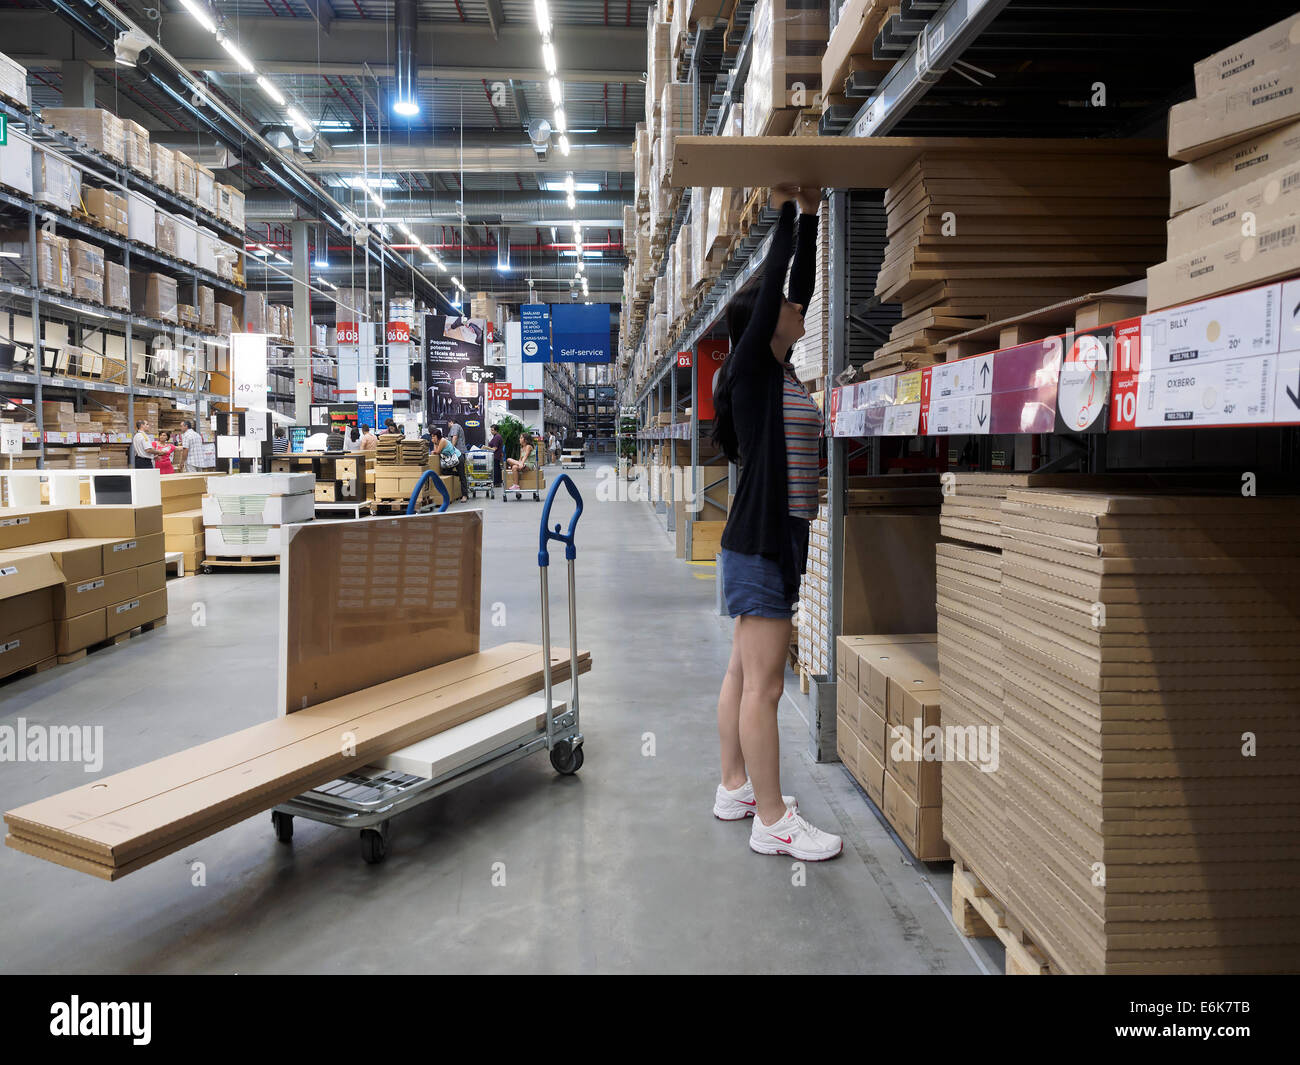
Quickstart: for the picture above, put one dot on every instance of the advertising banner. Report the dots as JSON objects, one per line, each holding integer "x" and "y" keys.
{"x": 454, "y": 372}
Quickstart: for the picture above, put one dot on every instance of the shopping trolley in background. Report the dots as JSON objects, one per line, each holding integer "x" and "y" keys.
{"x": 478, "y": 472}
{"x": 369, "y": 797}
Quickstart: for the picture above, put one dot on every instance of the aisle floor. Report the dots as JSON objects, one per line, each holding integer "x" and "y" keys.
{"x": 621, "y": 868}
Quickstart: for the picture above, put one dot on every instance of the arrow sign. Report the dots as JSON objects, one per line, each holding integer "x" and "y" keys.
{"x": 982, "y": 416}
{"x": 984, "y": 375}
{"x": 1294, "y": 398}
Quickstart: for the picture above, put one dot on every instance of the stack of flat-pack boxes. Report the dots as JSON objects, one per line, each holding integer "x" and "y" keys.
{"x": 787, "y": 41}
{"x": 182, "y": 503}
{"x": 815, "y": 599}
{"x": 811, "y": 351}
{"x": 100, "y": 130}
{"x": 1233, "y": 202}
{"x": 109, "y": 561}
{"x": 243, "y": 513}
{"x": 887, "y": 711}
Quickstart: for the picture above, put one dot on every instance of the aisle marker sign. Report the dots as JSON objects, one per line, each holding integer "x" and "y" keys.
{"x": 501, "y": 392}
{"x": 684, "y": 360}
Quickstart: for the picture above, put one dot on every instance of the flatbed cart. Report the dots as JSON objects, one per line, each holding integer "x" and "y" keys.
{"x": 478, "y": 472}
{"x": 370, "y": 797}
{"x": 413, "y": 504}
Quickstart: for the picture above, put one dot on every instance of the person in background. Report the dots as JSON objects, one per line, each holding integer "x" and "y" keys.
{"x": 391, "y": 429}
{"x": 527, "y": 459}
{"x": 765, "y": 419}
{"x": 498, "y": 446}
{"x": 335, "y": 441}
{"x": 456, "y": 437}
{"x": 280, "y": 442}
{"x": 368, "y": 441}
{"x": 142, "y": 453}
{"x": 442, "y": 448}
{"x": 193, "y": 445}
{"x": 163, "y": 450}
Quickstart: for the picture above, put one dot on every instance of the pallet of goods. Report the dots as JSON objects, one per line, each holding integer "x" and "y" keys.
{"x": 1239, "y": 142}
{"x": 77, "y": 579}
{"x": 850, "y": 44}
{"x": 788, "y": 39}
{"x": 244, "y": 514}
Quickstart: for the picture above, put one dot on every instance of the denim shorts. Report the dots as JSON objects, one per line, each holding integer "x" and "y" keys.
{"x": 752, "y": 584}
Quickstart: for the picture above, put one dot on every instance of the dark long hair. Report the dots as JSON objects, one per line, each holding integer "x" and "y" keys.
{"x": 738, "y": 313}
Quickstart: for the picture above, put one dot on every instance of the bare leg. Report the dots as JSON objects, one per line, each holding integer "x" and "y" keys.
{"x": 733, "y": 761}
{"x": 763, "y": 646}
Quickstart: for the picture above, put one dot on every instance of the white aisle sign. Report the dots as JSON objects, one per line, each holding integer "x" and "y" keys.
{"x": 248, "y": 362}
{"x": 11, "y": 438}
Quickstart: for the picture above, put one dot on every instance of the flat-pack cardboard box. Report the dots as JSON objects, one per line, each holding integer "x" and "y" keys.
{"x": 29, "y": 647}
{"x": 238, "y": 540}
{"x": 871, "y": 775}
{"x": 108, "y": 208}
{"x": 76, "y": 559}
{"x": 846, "y": 743}
{"x": 1219, "y": 174}
{"x": 151, "y": 576}
{"x": 117, "y": 286}
{"x": 164, "y": 167}
{"x": 183, "y": 523}
{"x": 872, "y": 729}
{"x": 80, "y": 597}
{"x": 268, "y": 484}
{"x": 917, "y": 771}
{"x": 888, "y": 575}
{"x": 182, "y": 504}
{"x": 902, "y": 656}
{"x": 912, "y": 693}
{"x": 1239, "y": 64}
{"x": 1205, "y": 125}
{"x": 80, "y": 632}
{"x": 919, "y": 827}
{"x": 22, "y": 526}
{"x": 133, "y": 552}
{"x": 1268, "y": 199}
{"x": 154, "y": 296}
{"x": 113, "y": 521}
{"x": 259, "y": 509}
{"x": 27, "y": 584}
{"x": 18, "y": 612}
{"x": 138, "y": 610}
{"x": 1237, "y": 262}
{"x": 182, "y": 484}
{"x": 101, "y": 130}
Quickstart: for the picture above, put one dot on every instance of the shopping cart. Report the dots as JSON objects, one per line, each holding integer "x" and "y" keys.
{"x": 478, "y": 471}
{"x": 370, "y": 797}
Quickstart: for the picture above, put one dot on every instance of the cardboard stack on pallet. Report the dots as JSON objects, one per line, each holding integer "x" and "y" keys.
{"x": 788, "y": 39}
{"x": 244, "y": 513}
{"x": 811, "y": 358}
{"x": 100, "y": 130}
{"x": 850, "y": 45}
{"x": 182, "y": 504}
{"x": 1233, "y": 203}
{"x": 109, "y": 578}
{"x": 1151, "y": 737}
{"x": 975, "y": 239}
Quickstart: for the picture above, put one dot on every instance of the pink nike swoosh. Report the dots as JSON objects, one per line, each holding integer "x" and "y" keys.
{"x": 785, "y": 839}
{"x": 745, "y": 803}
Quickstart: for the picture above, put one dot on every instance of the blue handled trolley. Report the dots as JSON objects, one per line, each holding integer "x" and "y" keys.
{"x": 370, "y": 797}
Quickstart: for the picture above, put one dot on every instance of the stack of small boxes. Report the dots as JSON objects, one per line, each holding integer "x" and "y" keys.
{"x": 243, "y": 513}
{"x": 182, "y": 501}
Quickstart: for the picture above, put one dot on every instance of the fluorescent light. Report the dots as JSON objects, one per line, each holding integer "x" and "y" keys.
{"x": 10, "y": 255}
{"x": 543, "y": 16}
{"x": 406, "y": 108}
{"x": 559, "y": 119}
{"x": 548, "y": 57}
{"x": 238, "y": 56}
{"x": 568, "y": 183}
{"x": 557, "y": 93}
{"x": 578, "y": 186}
{"x": 297, "y": 117}
{"x": 564, "y": 144}
{"x": 200, "y": 14}
{"x": 572, "y": 202}
{"x": 442, "y": 266}
{"x": 272, "y": 93}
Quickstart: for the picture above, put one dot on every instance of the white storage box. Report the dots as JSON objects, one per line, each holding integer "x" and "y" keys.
{"x": 262, "y": 484}
{"x": 55, "y": 181}
{"x": 187, "y": 241}
{"x": 141, "y": 219}
{"x": 206, "y": 250}
{"x": 254, "y": 509}
{"x": 16, "y": 163}
{"x": 13, "y": 81}
{"x": 240, "y": 540}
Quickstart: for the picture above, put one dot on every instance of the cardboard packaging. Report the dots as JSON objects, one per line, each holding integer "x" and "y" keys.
{"x": 1268, "y": 198}
{"x": 225, "y": 320}
{"x": 113, "y": 521}
{"x": 78, "y": 633}
{"x": 919, "y": 827}
{"x": 239, "y": 540}
{"x": 259, "y": 509}
{"x": 16, "y": 163}
{"x": 22, "y": 526}
{"x": 13, "y": 81}
{"x": 132, "y": 553}
{"x": 135, "y": 611}
{"x": 27, "y": 586}
{"x": 29, "y": 647}
{"x": 141, "y": 216}
{"x": 205, "y": 188}
{"x": 164, "y": 167}
{"x": 1238, "y": 65}
{"x": 788, "y": 40}
{"x": 1221, "y": 173}
{"x": 151, "y": 576}
{"x": 154, "y": 296}
{"x": 101, "y": 130}
{"x": 187, "y": 177}
{"x": 267, "y": 484}
{"x": 76, "y": 559}
{"x": 87, "y": 262}
{"x": 117, "y": 286}
{"x": 230, "y": 205}
{"x": 207, "y": 309}
{"x": 1206, "y": 125}
{"x": 56, "y": 182}
{"x": 165, "y": 233}
{"x": 918, "y": 773}
{"x": 108, "y": 209}
{"x": 871, "y": 775}
{"x": 254, "y": 319}
{"x": 1237, "y": 262}
{"x": 80, "y": 597}
{"x": 53, "y": 259}
{"x": 136, "y": 143}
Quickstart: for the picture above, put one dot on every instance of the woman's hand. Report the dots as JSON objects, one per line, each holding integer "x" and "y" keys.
{"x": 810, "y": 199}
{"x": 781, "y": 195}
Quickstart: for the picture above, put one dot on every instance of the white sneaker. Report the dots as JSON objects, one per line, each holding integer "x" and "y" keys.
{"x": 794, "y": 836}
{"x": 739, "y": 804}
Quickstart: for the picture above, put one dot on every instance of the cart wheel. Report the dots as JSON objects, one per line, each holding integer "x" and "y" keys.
{"x": 536, "y": 498}
{"x": 518, "y": 496}
{"x": 374, "y": 848}
{"x": 283, "y": 825}
{"x": 205, "y": 569}
{"x": 565, "y": 758}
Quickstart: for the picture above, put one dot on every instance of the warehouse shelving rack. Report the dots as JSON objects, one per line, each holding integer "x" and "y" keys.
{"x": 87, "y": 321}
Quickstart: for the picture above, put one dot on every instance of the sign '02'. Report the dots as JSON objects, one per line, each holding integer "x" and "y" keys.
{"x": 500, "y": 393}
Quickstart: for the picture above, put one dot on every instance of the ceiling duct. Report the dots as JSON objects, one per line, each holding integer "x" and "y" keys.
{"x": 406, "y": 89}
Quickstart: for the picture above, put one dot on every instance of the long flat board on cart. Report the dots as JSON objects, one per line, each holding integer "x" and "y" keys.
{"x": 856, "y": 162}
{"x": 362, "y": 602}
{"x": 122, "y": 822}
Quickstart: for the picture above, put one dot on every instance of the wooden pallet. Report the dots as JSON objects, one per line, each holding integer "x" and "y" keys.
{"x": 239, "y": 562}
{"x": 977, "y": 913}
{"x": 112, "y": 641}
{"x": 40, "y": 667}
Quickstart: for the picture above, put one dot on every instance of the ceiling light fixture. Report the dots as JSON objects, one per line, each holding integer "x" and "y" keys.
{"x": 543, "y": 16}
{"x": 272, "y": 93}
{"x": 238, "y": 56}
{"x": 548, "y": 57}
{"x": 564, "y": 144}
{"x": 200, "y": 15}
{"x": 559, "y": 119}
{"x": 557, "y": 92}
{"x": 128, "y": 46}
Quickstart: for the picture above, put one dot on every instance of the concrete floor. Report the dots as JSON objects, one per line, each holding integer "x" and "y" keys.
{"x": 620, "y": 868}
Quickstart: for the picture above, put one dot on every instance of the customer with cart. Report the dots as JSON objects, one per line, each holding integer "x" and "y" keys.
{"x": 498, "y": 445}
{"x": 527, "y": 459}
{"x": 765, "y": 416}
{"x": 449, "y": 459}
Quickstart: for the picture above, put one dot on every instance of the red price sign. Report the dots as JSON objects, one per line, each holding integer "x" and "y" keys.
{"x": 399, "y": 333}
{"x": 684, "y": 360}
{"x": 499, "y": 393}
{"x": 347, "y": 333}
